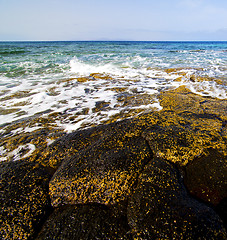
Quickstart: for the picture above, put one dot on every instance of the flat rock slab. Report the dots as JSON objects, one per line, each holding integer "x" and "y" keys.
{"x": 104, "y": 172}
{"x": 92, "y": 221}
{"x": 24, "y": 199}
{"x": 160, "y": 208}
{"x": 180, "y": 138}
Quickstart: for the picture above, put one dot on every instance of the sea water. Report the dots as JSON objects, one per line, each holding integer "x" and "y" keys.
{"x": 39, "y": 78}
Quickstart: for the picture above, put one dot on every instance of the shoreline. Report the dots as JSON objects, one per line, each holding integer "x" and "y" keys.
{"x": 109, "y": 171}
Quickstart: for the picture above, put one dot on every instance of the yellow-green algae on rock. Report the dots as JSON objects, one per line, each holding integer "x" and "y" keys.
{"x": 36, "y": 131}
{"x": 107, "y": 164}
{"x": 24, "y": 199}
{"x": 161, "y": 208}
{"x": 186, "y": 127}
{"x": 184, "y": 130}
{"x": 104, "y": 172}
{"x": 87, "y": 221}
{"x": 205, "y": 177}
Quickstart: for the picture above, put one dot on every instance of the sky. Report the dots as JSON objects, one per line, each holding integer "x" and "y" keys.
{"x": 137, "y": 20}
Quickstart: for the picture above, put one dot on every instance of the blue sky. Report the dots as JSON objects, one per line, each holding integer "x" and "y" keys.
{"x": 113, "y": 20}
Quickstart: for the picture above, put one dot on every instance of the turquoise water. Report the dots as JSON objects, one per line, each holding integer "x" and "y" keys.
{"x": 40, "y": 77}
{"x": 52, "y": 59}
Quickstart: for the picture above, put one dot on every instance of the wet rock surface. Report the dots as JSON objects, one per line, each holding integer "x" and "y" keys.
{"x": 70, "y": 144}
{"x": 160, "y": 175}
{"x": 160, "y": 208}
{"x": 104, "y": 172}
{"x": 24, "y": 199}
{"x": 205, "y": 177}
{"x": 92, "y": 221}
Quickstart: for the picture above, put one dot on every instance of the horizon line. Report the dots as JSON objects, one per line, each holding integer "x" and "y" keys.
{"x": 113, "y": 40}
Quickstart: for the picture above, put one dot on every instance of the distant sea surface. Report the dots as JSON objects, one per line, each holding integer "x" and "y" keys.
{"x": 88, "y": 82}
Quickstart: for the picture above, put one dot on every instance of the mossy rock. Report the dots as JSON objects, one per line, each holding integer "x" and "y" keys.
{"x": 69, "y": 144}
{"x": 82, "y": 79}
{"x": 104, "y": 172}
{"x": 182, "y": 100}
{"x": 187, "y": 126}
{"x": 201, "y": 120}
{"x": 205, "y": 177}
{"x": 160, "y": 208}
{"x": 182, "y": 138}
{"x": 175, "y": 144}
{"x": 101, "y": 106}
{"x": 91, "y": 221}
{"x": 100, "y": 76}
{"x": 24, "y": 199}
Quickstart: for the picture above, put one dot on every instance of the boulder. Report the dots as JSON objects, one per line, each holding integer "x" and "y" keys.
{"x": 69, "y": 144}
{"x": 104, "y": 172}
{"x": 120, "y": 180}
{"x": 221, "y": 209}
{"x": 24, "y": 199}
{"x": 91, "y": 221}
{"x": 174, "y": 143}
{"x": 205, "y": 177}
{"x": 160, "y": 208}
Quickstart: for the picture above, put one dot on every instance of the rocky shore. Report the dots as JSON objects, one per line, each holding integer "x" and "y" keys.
{"x": 160, "y": 175}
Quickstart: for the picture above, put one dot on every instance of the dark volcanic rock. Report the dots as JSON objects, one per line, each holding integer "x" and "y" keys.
{"x": 99, "y": 170}
{"x": 70, "y": 144}
{"x": 93, "y": 221}
{"x": 24, "y": 199}
{"x": 221, "y": 209}
{"x": 104, "y": 172}
{"x": 174, "y": 143}
{"x": 160, "y": 208}
{"x": 206, "y": 177}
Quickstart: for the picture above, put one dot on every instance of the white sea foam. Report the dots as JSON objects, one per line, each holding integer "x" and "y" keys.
{"x": 49, "y": 141}
{"x": 207, "y": 88}
{"x": 31, "y": 129}
{"x": 2, "y": 153}
{"x": 138, "y": 75}
{"x": 43, "y": 82}
{"x": 16, "y": 153}
{"x": 127, "y": 70}
{"x": 77, "y": 96}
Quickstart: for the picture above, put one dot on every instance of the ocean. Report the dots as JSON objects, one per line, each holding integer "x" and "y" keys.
{"x": 84, "y": 84}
